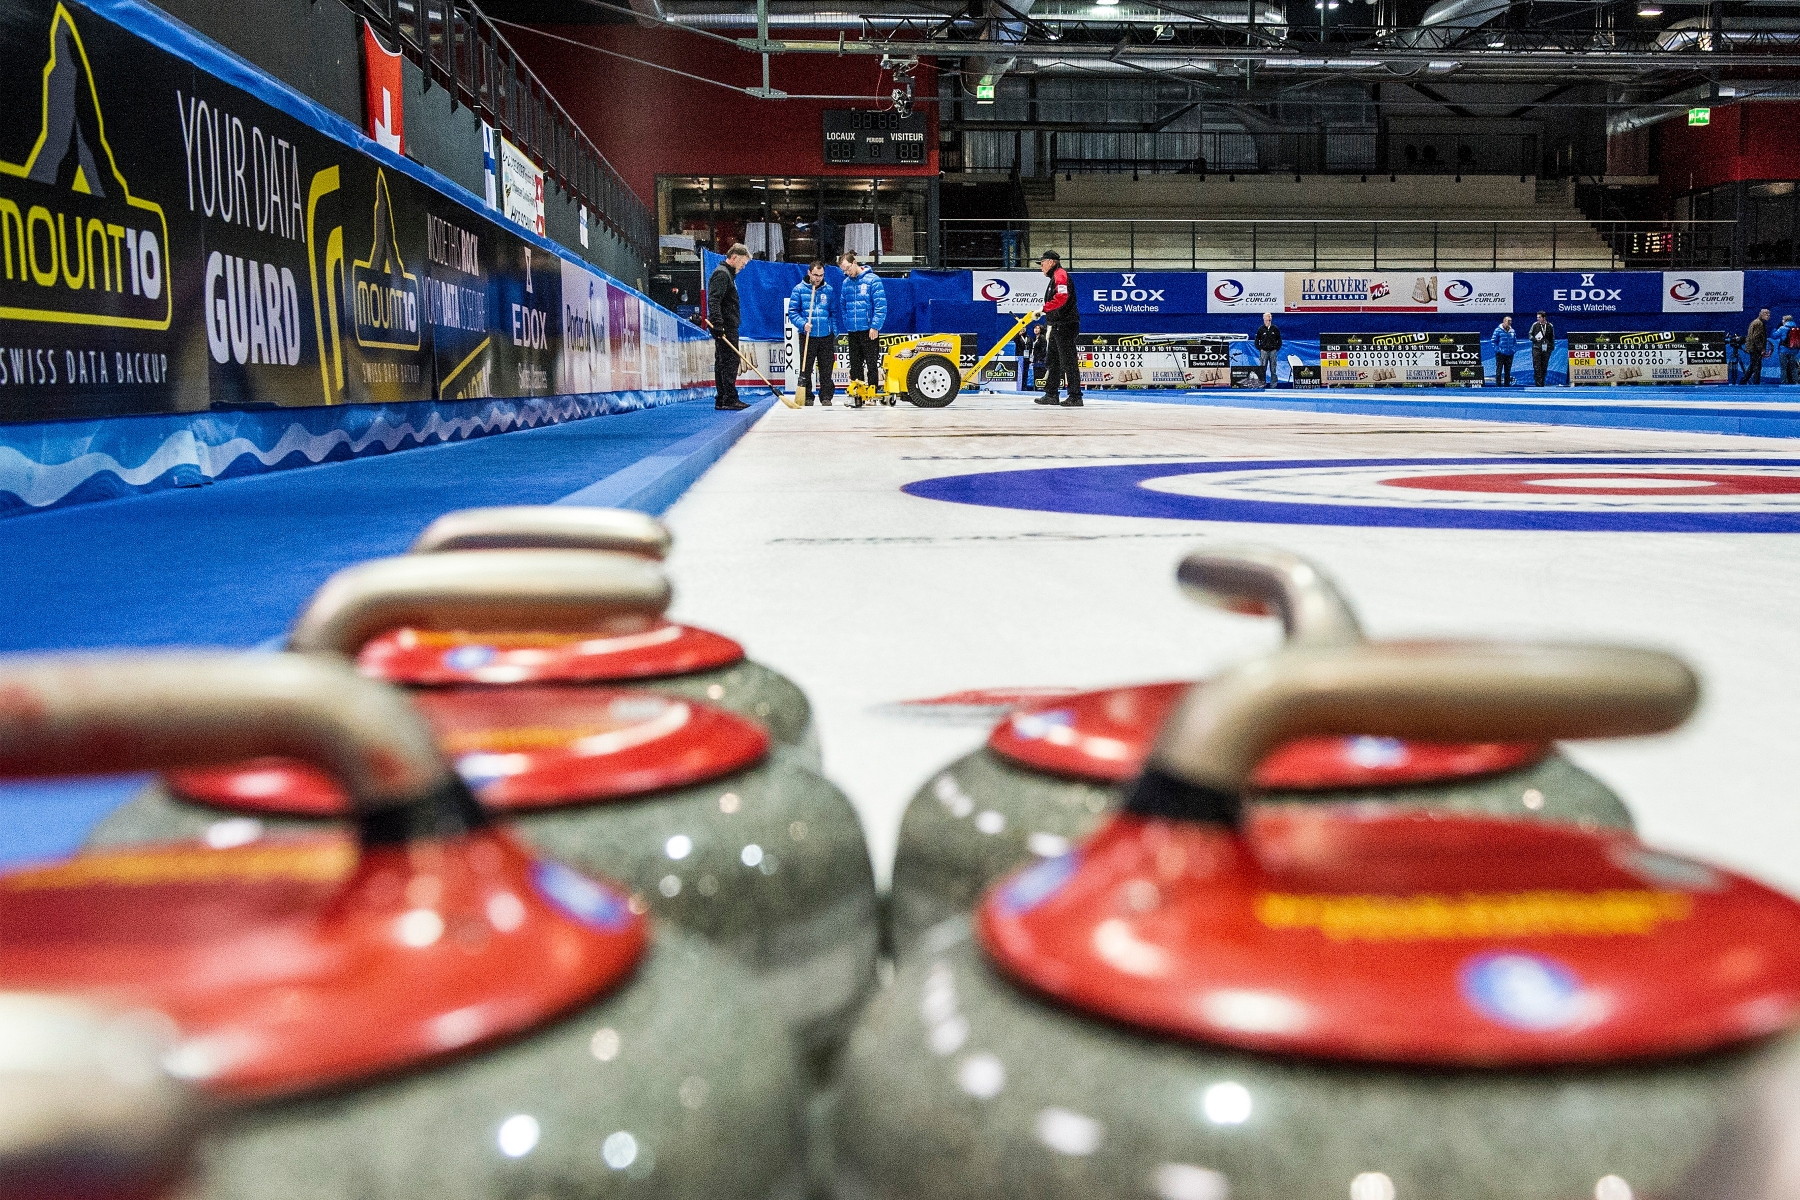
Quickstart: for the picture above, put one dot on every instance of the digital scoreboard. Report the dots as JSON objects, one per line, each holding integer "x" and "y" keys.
{"x": 863, "y": 137}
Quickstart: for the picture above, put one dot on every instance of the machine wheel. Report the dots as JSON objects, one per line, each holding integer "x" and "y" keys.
{"x": 933, "y": 381}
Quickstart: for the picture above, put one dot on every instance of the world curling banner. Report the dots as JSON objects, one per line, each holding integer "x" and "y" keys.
{"x": 177, "y": 239}
{"x": 1400, "y": 359}
{"x": 1659, "y": 357}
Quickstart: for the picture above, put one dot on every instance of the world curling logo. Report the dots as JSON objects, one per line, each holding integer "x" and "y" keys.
{"x": 1229, "y": 291}
{"x": 995, "y": 289}
{"x": 1684, "y": 291}
{"x": 1459, "y": 291}
{"x": 76, "y": 247}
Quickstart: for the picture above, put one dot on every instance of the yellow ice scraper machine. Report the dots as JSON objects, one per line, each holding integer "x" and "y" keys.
{"x": 924, "y": 370}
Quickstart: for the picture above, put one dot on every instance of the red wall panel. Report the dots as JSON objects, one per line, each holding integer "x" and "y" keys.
{"x": 1744, "y": 141}
{"x": 650, "y": 122}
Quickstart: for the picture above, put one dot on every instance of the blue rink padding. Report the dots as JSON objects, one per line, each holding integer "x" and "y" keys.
{"x": 1765, "y": 411}
{"x": 230, "y": 565}
{"x": 52, "y": 464}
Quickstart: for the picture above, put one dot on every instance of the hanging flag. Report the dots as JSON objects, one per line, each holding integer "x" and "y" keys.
{"x": 382, "y": 92}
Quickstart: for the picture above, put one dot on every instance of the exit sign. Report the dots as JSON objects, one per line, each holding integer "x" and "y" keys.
{"x": 1699, "y": 116}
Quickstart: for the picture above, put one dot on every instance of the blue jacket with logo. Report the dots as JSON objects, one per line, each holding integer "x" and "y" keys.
{"x": 805, "y": 300}
{"x": 1506, "y": 341}
{"x": 863, "y": 303}
{"x": 1782, "y": 336}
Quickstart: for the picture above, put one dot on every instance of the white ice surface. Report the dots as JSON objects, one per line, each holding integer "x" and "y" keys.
{"x": 801, "y": 544}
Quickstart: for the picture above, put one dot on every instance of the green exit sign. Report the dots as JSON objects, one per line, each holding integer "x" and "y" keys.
{"x": 1699, "y": 116}
{"x": 984, "y": 90}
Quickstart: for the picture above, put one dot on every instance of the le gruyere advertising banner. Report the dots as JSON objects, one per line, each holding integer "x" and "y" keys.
{"x": 1647, "y": 357}
{"x": 170, "y": 242}
{"x": 1253, "y": 292}
{"x": 1400, "y": 359}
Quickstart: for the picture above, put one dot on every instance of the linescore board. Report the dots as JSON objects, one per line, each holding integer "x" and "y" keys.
{"x": 1647, "y": 357}
{"x": 1400, "y": 359}
{"x": 856, "y": 137}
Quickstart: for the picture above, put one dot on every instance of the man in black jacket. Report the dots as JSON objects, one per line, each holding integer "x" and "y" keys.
{"x": 722, "y": 316}
{"x": 1542, "y": 336}
{"x": 1268, "y": 343}
{"x": 1062, "y": 363}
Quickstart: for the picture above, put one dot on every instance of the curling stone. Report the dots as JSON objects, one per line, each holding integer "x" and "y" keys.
{"x": 88, "y": 1110}
{"x": 677, "y": 799}
{"x": 679, "y": 660}
{"x": 1051, "y": 771}
{"x": 1207, "y": 1001}
{"x": 426, "y": 1010}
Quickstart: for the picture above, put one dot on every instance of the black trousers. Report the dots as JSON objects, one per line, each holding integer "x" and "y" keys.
{"x": 1502, "y": 369}
{"x": 1752, "y": 368}
{"x": 865, "y": 357}
{"x": 725, "y": 369}
{"x": 1540, "y": 364}
{"x": 1060, "y": 363}
{"x": 818, "y": 356}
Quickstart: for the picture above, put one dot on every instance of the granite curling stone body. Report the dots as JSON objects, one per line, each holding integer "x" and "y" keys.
{"x": 681, "y": 801}
{"x": 1330, "y": 1002}
{"x": 423, "y": 1011}
{"x": 675, "y": 659}
{"x": 1051, "y": 772}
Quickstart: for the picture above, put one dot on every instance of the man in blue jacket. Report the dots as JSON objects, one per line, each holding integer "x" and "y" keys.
{"x": 864, "y": 309}
{"x": 1506, "y": 344}
{"x": 809, "y": 311}
{"x": 1787, "y": 345}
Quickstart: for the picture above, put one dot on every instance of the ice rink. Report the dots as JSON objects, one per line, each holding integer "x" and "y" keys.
{"x": 805, "y": 543}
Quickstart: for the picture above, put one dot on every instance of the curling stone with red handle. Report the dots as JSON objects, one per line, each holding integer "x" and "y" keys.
{"x": 1051, "y": 771}
{"x": 1212, "y": 999}
{"x": 426, "y": 1010}
{"x": 676, "y": 659}
{"x": 679, "y": 800}
{"x": 88, "y": 1108}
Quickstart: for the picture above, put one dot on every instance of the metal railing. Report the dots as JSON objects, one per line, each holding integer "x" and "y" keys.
{"x": 456, "y": 46}
{"x": 1334, "y": 244}
{"x": 1333, "y": 151}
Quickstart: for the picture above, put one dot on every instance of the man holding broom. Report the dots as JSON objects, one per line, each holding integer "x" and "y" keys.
{"x": 809, "y": 311}
{"x": 722, "y": 316}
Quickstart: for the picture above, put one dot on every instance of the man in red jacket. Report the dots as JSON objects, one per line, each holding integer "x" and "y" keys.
{"x": 1065, "y": 323}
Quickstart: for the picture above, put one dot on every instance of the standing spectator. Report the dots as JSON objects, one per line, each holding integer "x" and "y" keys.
{"x": 1543, "y": 344}
{"x": 1756, "y": 347}
{"x": 1787, "y": 345}
{"x": 1268, "y": 342}
{"x": 809, "y": 311}
{"x": 1037, "y": 351}
{"x": 1506, "y": 344}
{"x": 722, "y": 316}
{"x": 1060, "y": 361}
{"x": 864, "y": 308}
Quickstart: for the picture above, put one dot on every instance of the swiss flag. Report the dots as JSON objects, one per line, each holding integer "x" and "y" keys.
{"x": 381, "y": 92}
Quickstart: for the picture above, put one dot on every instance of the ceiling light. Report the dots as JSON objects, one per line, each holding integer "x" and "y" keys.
{"x": 1649, "y": 10}
{"x": 1107, "y": 3}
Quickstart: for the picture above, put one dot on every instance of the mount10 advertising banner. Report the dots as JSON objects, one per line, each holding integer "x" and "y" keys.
{"x": 1162, "y": 360}
{"x": 1400, "y": 359}
{"x": 1446, "y": 292}
{"x": 170, "y": 243}
{"x": 1662, "y": 357}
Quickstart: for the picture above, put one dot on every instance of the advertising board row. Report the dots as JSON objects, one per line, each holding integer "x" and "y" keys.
{"x": 170, "y": 242}
{"x": 1192, "y": 360}
{"x": 1250, "y": 293}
